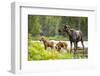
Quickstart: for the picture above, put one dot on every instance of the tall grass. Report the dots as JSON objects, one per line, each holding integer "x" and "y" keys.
{"x": 36, "y": 51}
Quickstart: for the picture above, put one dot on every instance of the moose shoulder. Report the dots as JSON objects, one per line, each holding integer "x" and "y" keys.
{"x": 75, "y": 35}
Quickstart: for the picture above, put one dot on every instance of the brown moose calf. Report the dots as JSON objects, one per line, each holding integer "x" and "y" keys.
{"x": 61, "y": 45}
{"x": 47, "y": 43}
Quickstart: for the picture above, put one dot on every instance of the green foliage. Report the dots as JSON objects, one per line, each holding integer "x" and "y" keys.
{"x": 36, "y": 51}
{"x": 49, "y": 25}
{"x": 34, "y": 26}
{"x": 29, "y": 39}
{"x": 58, "y": 37}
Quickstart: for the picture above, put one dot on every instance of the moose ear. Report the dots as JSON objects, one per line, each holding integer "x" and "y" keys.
{"x": 67, "y": 26}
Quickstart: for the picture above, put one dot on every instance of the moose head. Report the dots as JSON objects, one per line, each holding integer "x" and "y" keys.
{"x": 64, "y": 28}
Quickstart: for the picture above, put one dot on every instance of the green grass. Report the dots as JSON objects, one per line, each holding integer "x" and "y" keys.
{"x": 36, "y": 51}
{"x": 58, "y": 38}
{"x": 51, "y": 38}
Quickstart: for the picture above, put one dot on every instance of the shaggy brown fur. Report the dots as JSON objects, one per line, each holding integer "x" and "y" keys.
{"x": 60, "y": 45}
{"x": 47, "y": 43}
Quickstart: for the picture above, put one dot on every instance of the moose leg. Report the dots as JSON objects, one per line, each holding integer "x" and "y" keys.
{"x": 82, "y": 46}
{"x": 75, "y": 48}
{"x": 45, "y": 47}
{"x": 70, "y": 47}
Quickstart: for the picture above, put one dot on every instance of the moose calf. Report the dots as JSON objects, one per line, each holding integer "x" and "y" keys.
{"x": 47, "y": 43}
{"x": 60, "y": 45}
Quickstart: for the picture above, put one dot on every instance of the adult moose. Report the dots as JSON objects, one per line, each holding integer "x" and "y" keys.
{"x": 74, "y": 36}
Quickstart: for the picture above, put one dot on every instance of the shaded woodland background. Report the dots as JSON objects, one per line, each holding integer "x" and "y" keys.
{"x": 48, "y": 26}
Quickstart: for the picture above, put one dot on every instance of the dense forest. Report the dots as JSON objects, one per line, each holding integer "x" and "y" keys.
{"x": 48, "y": 26}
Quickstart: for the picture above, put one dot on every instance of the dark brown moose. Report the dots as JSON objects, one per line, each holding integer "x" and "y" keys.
{"x": 74, "y": 36}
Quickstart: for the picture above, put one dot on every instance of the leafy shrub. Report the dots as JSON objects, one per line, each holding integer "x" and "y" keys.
{"x": 29, "y": 39}
{"x": 36, "y": 51}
